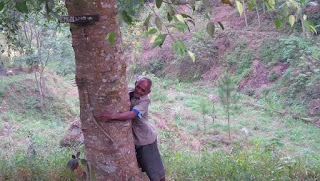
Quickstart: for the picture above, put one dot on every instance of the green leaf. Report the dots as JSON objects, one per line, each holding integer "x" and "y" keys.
{"x": 210, "y": 29}
{"x": 126, "y": 17}
{"x": 295, "y": 4}
{"x": 171, "y": 10}
{"x": 1, "y": 5}
{"x": 22, "y": 7}
{"x": 179, "y": 47}
{"x": 180, "y": 26}
{"x": 146, "y": 22}
{"x": 192, "y": 4}
{"x": 158, "y": 23}
{"x": 239, "y": 7}
{"x": 267, "y": 5}
{"x": 186, "y": 16}
{"x": 291, "y": 20}
{"x": 250, "y": 6}
{"x": 193, "y": 58}
{"x": 69, "y": 164}
{"x": 169, "y": 17}
{"x": 112, "y": 38}
{"x": 180, "y": 17}
{"x": 72, "y": 164}
{"x": 158, "y": 3}
{"x": 221, "y": 25}
{"x": 83, "y": 161}
{"x": 192, "y": 22}
{"x": 277, "y": 22}
{"x": 313, "y": 28}
{"x": 254, "y": 2}
{"x": 159, "y": 40}
{"x": 310, "y": 27}
{"x": 152, "y": 31}
{"x": 272, "y": 3}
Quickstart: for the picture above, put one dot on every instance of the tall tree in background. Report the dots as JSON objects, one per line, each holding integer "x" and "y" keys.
{"x": 101, "y": 81}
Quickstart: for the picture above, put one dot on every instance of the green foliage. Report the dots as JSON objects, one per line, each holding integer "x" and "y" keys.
{"x": 315, "y": 52}
{"x": 16, "y": 12}
{"x": 5, "y": 83}
{"x": 211, "y": 29}
{"x": 22, "y": 7}
{"x": 228, "y": 95}
{"x": 262, "y": 162}
{"x": 250, "y": 92}
{"x": 31, "y": 148}
{"x": 158, "y": 94}
{"x": 258, "y": 158}
{"x": 112, "y": 38}
{"x": 297, "y": 85}
{"x": 179, "y": 48}
{"x": 241, "y": 57}
{"x": 272, "y": 76}
{"x": 76, "y": 163}
{"x": 283, "y": 49}
{"x": 152, "y": 67}
{"x": 205, "y": 54}
{"x": 43, "y": 166}
{"x": 126, "y": 17}
{"x": 159, "y": 40}
{"x": 1, "y": 5}
{"x": 132, "y": 7}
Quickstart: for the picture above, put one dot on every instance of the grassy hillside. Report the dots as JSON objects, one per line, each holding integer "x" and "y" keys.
{"x": 30, "y": 134}
{"x": 194, "y": 146}
{"x": 264, "y": 145}
{"x": 277, "y": 74}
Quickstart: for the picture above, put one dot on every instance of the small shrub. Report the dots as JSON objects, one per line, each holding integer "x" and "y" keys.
{"x": 241, "y": 57}
{"x": 228, "y": 96}
{"x": 250, "y": 92}
{"x": 284, "y": 49}
{"x": 155, "y": 67}
{"x": 272, "y": 76}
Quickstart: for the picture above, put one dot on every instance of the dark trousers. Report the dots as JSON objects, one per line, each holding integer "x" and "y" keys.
{"x": 149, "y": 161}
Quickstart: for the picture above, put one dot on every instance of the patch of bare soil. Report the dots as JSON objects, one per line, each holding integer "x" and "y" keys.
{"x": 260, "y": 76}
{"x": 8, "y": 128}
{"x": 314, "y": 107}
{"x": 317, "y": 122}
{"x": 213, "y": 74}
{"x": 2, "y": 71}
{"x": 15, "y": 71}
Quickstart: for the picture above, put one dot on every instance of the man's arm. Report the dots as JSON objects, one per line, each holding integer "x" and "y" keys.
{"x": 117, "y": 116}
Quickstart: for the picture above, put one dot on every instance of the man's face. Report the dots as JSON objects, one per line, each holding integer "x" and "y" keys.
{"x": 142, "y": 88}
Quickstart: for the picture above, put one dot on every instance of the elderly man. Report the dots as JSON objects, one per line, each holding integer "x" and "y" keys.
{"x": 145, "y": 136}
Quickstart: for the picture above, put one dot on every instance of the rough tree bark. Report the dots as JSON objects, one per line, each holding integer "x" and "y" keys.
{"x": 101, "y": 81}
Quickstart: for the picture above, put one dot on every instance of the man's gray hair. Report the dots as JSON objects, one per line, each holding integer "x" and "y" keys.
{"x": 146, "y": 79}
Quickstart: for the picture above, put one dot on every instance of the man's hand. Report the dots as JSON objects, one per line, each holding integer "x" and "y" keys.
{"x": 105, "y": 116}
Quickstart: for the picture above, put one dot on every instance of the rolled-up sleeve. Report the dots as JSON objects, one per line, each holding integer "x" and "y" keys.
{"x": 141, "y": 108}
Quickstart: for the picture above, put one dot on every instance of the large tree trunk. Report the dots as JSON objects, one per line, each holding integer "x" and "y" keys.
{"x": 101, "y": 81}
